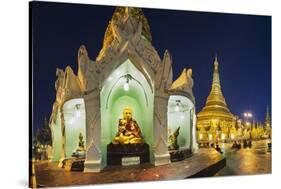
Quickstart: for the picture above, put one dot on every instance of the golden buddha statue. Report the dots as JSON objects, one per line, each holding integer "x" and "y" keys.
{"x": 128, "y": 129}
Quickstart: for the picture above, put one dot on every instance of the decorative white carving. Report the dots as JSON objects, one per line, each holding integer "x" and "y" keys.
{"x": 127, "y": 37}
{"x": 184, "y": 83}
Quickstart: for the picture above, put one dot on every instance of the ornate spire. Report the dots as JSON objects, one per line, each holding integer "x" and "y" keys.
{"x": 125, "y": 22}
{"x": 216, "y": 96}
{"x": 267, "y": 117}
{"x": 215, "y": 107}
{"x": 121, "y": 14}
{"x": 216, "y": 86}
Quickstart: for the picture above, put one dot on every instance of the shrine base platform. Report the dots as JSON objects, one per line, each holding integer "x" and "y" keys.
{"x": 205, "y": 162}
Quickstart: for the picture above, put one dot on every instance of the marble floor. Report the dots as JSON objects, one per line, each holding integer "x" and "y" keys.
{"x": 205, "y": 162}
{"x": 255, "y": 160}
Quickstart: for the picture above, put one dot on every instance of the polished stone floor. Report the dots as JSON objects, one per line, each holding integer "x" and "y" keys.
{"x": 255, "y": 160}
{"x": 206, "y": 162}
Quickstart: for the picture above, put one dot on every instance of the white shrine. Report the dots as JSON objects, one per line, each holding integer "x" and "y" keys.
{"x": 128, "y": 72}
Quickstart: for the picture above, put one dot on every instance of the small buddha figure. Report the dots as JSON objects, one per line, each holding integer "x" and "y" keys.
{"x": 80, "y": 151}
{"x": 173, "y": 140}
{"x": 128, "y": 129}
{"x": 81, "y": 142}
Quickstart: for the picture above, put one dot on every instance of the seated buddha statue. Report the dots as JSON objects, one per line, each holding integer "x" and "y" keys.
{"x": 128, "y": 129}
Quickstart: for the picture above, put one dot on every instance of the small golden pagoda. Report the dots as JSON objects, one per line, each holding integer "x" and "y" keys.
{"x": 267, "y": 124}
{"x": 267, "y": 118}
{"x": 215, "y": 114}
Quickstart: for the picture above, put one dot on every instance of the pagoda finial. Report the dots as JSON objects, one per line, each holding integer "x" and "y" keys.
{"x": 216, "y": 78}
{"x": 267, "y": 116}
{"x": 216, "y": 63}
{"x": 127, "y": 11}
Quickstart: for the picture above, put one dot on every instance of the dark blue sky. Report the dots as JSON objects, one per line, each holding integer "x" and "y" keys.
{"x": 242, "y": 43}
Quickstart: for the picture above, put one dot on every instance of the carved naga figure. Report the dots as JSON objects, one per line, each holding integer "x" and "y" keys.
{"x": 173, "y": 140}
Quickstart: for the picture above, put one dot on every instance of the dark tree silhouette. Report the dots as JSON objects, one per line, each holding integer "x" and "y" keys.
{"x": 44, "y": 136}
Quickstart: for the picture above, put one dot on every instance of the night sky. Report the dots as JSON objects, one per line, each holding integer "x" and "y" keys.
{"x": 242, "y": 43}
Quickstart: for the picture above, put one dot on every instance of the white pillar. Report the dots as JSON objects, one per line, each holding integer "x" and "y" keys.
{"x": 160, "y": 131}
{"x": 63, "y": 139}
{"x": 56, "y": 137}
{"x": 193, "y": 126}
{"x": 93, "y": 132}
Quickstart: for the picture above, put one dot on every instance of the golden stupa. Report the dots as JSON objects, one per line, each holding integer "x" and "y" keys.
{"x": 215, "y": 113}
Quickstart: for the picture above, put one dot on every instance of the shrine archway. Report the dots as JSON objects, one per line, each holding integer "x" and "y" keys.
{"x": 126, "y": 86}
{"x": 180, "y": 114}
{"x": 74, "y": 121}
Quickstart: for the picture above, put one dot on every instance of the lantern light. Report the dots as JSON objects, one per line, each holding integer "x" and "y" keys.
{"x": 222, "y": 136}
{"x": 78, "y": 111}
{"x": 177, "y": 105}
{"x": 126, "y": 86}
{"x": 110, "y": 78}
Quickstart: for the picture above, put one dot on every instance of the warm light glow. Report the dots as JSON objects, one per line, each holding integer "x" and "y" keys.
{"x": 248, "y": 114}
{"x": 200, "y": 136}
{"x": 247, "y": 123}
{"x": 232, "y": 136}
{"x": 210, "y": 137}
{"x": 126, "y": 86}
{"x": 222, "y": 136}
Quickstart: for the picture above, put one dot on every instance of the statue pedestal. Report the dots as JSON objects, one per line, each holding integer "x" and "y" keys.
{"x": 161, "y": 159}
{"x": 74, "y": 164}
{"x": 117, "y": 152}
{"x": 178, "y": 155}
{"x": 92, "y": 166}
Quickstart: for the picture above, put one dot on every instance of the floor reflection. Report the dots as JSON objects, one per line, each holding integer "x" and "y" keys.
{"x": 255, "y": 160}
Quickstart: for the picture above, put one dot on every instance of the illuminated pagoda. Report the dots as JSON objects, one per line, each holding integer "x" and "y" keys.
{"x": 267, "y": 124}
{"x": 215, "y": 121}
{"x": 267, "y": 118}
{"x": 125, "y": 97}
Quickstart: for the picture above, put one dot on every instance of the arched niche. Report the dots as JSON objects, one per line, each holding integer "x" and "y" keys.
{"x": 74, "y": 120}
{"x": 180, "y": 114}
{"x": 125, "y": 86}
{"x": 56, "y": 138}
